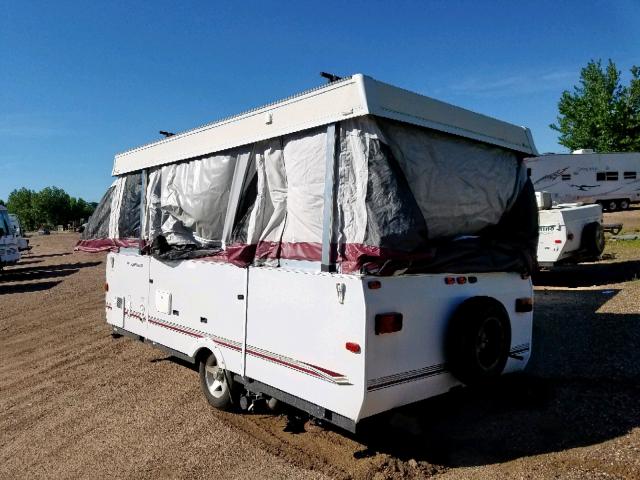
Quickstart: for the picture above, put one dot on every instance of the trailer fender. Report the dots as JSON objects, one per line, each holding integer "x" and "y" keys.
{"x": 210, "y": 346}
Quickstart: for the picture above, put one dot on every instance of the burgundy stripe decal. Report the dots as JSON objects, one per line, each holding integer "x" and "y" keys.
{"x": 171, "y": 327}
{"x": 282, "y": 362}
{"x": 328, "y": 372}
{"x": 255, "y": 353}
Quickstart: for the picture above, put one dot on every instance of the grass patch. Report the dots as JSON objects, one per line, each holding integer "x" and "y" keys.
{"x": 622, "y": 249}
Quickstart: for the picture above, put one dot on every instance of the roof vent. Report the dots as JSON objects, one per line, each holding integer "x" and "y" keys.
{"x": 582, "y": 151}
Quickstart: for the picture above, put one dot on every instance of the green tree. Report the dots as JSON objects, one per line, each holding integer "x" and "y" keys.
{"x": 80, "y": 209}
{"x": 20, "y": 203}
{"x": 52, "y": 206}
{"x": 601, "y": 113}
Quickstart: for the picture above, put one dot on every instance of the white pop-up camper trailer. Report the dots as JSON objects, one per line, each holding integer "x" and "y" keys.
{"x": 610, "y": 179}
{"x": 9, "y": 253}
{"x": 347, "y": 250}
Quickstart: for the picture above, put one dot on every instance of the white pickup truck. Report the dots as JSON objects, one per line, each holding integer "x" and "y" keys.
{"x": 569, "y": 232}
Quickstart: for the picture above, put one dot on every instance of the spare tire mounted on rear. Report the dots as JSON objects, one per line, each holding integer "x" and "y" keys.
{"x": 478, "y": 340}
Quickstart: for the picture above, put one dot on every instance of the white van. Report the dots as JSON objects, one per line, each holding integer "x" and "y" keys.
{"x": 347, "y": 250}
{"x": 9, "y": 254}
{"x": 23, "y": 243}
{"x": 610, "y": 179}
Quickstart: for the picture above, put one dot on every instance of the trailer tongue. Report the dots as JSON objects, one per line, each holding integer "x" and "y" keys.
{"x": 347, "y": 250}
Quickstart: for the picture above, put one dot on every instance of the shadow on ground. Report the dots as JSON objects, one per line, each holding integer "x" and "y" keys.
{"x": 589, "y": 274}
{"x": 50, "y": 255}
{"x": 30, "y": 277}
{"x": 27, "y": 287}
{"x": 19, "y": 273}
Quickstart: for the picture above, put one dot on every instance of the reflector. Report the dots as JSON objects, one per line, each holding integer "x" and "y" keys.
{"x": 352, "y": 347}
{"x": 388, "y": 323}
{"x": 524, "y": 305}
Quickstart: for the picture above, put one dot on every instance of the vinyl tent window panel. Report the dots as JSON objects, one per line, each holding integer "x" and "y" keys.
{"x": 461, "y": 186}
{"x": 194, "y": 196}
{"x": 611, "y": 176}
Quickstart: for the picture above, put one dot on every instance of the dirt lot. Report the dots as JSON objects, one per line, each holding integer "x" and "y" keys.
{"x": 76, "y": 403}
{"x": 629, "y": 218}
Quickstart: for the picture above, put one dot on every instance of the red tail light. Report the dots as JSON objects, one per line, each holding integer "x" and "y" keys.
{"x": 558, "y": 241}
{"x": 374, "y": 284}
{"x": 461, "y": 280}
{"x": 388, "y": 323}
{"x": 524, "y": 305}
{"x": 106, "y": 287}
{"x": 449, "y": 280}
{"x": 352, "y": 347}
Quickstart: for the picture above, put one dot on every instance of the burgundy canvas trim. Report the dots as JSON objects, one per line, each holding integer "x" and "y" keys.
{"x": 95, "y": 245}
{"x": 352, "y": 257}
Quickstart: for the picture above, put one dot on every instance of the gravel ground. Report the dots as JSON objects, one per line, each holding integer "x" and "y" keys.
{"x": 75, "y": 403}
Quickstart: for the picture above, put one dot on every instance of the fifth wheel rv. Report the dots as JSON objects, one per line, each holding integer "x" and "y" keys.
{"x": 347, "y": 250}
{"x": 610, "y": 179}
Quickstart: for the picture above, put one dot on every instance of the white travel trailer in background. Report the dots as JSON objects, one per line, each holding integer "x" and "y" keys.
{"x": 347, "y": 250}
{"x": 9, "y": 253}
{"x": 610, "y": 179}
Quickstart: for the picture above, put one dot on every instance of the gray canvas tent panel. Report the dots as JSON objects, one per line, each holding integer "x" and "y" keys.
{"x": 403, "y": 193}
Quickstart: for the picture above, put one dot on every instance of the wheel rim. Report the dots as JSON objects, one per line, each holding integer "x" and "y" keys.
{"x": 488, "y": 343}
{"x": 624, "y": 205}
{"x": 612, "y": 206}
{"x": 215, "y": 378}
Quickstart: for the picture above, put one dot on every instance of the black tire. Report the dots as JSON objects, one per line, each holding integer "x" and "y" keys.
{"x": 610, "y": 205}
{"x": 624, "y": 204}
{"x": 218, "y": 395}
{"x": 593, "y": 239}
{"x": 478, "y": 341}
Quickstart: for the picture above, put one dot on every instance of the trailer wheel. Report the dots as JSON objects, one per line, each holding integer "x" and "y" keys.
{"x": 623, "y": 204}
{"x": 215, "y": 383}
{"x": 478, "y": 340}
{"x": 611, "y": 205}
{"x": 593, "y": 239}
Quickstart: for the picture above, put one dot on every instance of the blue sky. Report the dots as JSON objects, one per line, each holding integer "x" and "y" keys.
{"x": 81, "y": 81}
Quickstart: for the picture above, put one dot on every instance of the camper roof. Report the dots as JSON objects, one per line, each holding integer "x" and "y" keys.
{"x": 349, "y": 97}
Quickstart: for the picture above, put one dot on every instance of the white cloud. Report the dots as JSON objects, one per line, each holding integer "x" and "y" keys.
{"x": 514, "y": 84}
